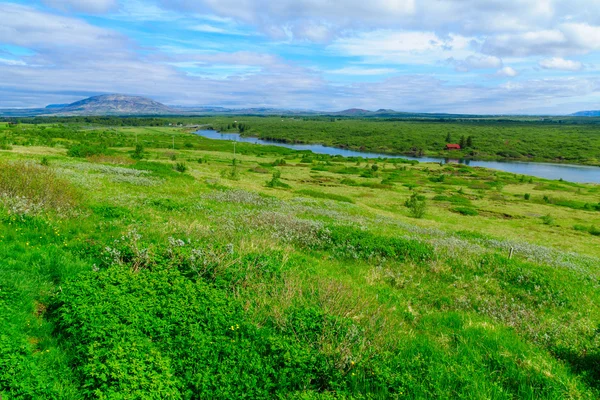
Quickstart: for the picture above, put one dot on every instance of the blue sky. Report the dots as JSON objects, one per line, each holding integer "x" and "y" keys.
{"x": 463, "y": 56}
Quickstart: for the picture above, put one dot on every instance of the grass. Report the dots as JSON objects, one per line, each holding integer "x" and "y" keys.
{"x": 167, "y": 284}
{"x": 322, "y": 195}
{"x": 29, "y": 188}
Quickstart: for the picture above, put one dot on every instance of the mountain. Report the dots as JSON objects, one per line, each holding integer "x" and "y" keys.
{"x": 56, "y": 106}
{"x": 114, "y": 104}
{"x": 352, "y": 112}
{"x": 593, "y": 113}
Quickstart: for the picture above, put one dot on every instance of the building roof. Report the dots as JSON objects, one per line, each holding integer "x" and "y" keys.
{"x": 453, "y": 146}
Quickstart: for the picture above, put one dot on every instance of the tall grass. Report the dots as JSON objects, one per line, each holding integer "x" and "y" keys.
{"x": 27, "y": 188}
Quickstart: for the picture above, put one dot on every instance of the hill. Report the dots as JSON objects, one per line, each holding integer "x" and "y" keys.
{"x": 115, "y": 104}
{"x": 591, "y": 113}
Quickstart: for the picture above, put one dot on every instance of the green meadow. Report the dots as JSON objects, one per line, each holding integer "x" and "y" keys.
{"x": 145, "y": 262}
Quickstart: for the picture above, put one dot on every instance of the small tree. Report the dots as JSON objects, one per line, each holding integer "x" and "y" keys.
{"x": 275, "y": 181}
{"x": 462, "y": 142}
{"x": 138, "y": 153}
{"x": 470, "y": 141}
{"x": 448, "y": 138}
{"x": 232, "y": 173}
{"x": 416, "y": 205}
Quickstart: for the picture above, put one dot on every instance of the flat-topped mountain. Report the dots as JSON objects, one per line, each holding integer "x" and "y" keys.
{"x": 115, "y": 104}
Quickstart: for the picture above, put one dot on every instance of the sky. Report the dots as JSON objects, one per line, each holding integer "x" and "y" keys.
{"x": 455, "y": 56}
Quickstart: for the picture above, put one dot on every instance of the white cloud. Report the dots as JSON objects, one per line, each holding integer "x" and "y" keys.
{"x": 507, "y": 72}
{"x": 402, "y": 47}
{"x": 88, "y": 6}
{"x": 565, "y": 39}
{"x": 476, "y": 62}
{"x": 27, "y": 27}
{"x": 7, "y": 61}
{"x": 561, "y": 64}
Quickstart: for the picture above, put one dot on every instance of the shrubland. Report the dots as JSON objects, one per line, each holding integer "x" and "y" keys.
{"x": 298, "y": 276}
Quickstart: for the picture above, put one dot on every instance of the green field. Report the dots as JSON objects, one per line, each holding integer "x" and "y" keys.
{"x": 560, "y": 140}
{"x": 573, "y": 141}
{"x": 144, "y": 262}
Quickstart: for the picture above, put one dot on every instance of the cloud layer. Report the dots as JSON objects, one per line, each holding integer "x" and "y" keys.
{"x": 463, "y": 56}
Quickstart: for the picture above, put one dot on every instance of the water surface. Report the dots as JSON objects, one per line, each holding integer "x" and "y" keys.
{"x": 567, "y": 172}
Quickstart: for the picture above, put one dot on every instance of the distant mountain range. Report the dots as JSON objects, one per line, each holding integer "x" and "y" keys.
{"x": 125, "y": 105}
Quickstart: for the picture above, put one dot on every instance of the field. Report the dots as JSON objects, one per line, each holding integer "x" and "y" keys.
{"x": 146, "y": 262}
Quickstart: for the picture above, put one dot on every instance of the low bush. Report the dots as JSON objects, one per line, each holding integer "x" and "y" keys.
{"x": 276, "y": 182}
{"x": 416, "y": 205}
{"x": 87, "y": 150}
{"x": 164, "y": 331}
{"x": 547, "y": 219}
{"x": 355, "y": 243}
{"x": 180, "y": 167}
{"x": 30, "y": 188}
{"x": 465, "y": 211}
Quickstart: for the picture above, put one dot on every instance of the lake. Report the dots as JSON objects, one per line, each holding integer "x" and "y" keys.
{"x": 567, "y": 172}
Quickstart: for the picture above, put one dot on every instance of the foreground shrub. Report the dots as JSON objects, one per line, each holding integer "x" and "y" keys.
{"x": 28, "y": 188}
{"x": 276, "y": 182}
{"x": 86, "y": 150}
{"x": 180, "y": 167}
{"x": 354, "y": 243}
{"x": 416, "y": 205}
{"x": 160, "y": 332}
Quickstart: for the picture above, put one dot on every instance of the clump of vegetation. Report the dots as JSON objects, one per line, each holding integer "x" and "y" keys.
{"x": 232, "y": 173}
{"x": 547, "y": 219}
{"x": 465, "y": 211}
{"x": 276, "y": 182}
{"x": 28, "y": 188}
{"x": 592, "y": 229}
{"x": 180, "y": 167}
{"x": 417, "y": 205}
{"x": 138, "y": 153}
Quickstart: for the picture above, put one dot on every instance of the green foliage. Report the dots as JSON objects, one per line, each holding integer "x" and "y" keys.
{"x": 322, "y": 195}
{"x": 180, "y": 167}
{"x": 28, "y": 188}
{"x": 547, "y": 219}
{"x": 279, "y": 297}
{"x": 138, "y": 153}
{"x": 527, "y": 196}
{"x": 353, "y": 243}
{"x": 232, "y": 173}
{"x": 417, "y": 205}
{"x": 465, "y": 211}
{"x": 276, "y": 182}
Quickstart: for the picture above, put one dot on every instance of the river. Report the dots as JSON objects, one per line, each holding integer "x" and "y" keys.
{"x": 567, "y": 172}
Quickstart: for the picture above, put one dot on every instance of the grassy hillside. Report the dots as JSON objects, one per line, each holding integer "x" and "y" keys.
{"x": 169, "y": 270}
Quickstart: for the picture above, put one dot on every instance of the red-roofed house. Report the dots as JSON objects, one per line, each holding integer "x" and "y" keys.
{"x": 451, "y": 146}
